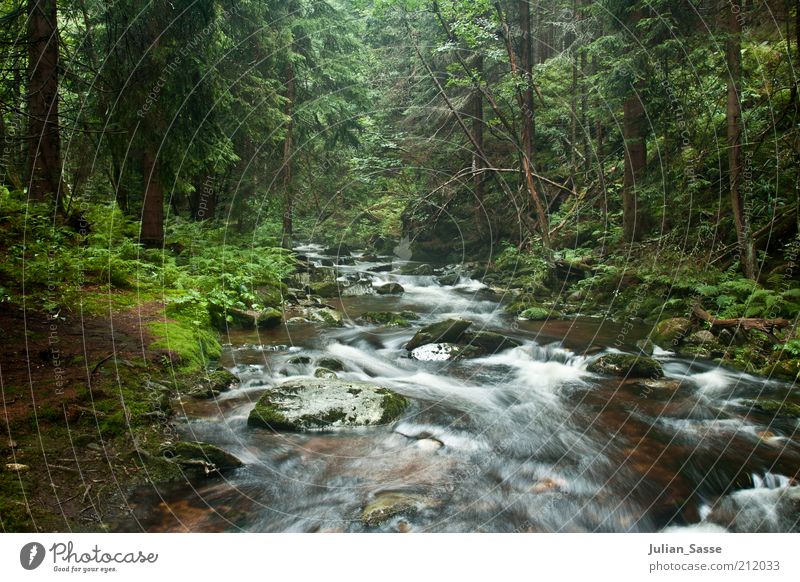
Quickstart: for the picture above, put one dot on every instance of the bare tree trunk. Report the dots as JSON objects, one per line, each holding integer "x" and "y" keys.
{"x": 634, "y": 130}
{"x": 288, "y": 197}
{"x": 734, "y": 118}
{"x": 152, "y": 232}
{"x": 44, "y": 147}
{"x": 477, "y": 161}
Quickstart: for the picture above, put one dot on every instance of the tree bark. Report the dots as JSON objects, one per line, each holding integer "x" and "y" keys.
{"x": 44, "y": 147}
{"x": 288, "y": 195}
{"x": 152, "y": 232}
{"x": 477, "y": 159}
{"x": 734, "y": 119}
{"x": 635, "y": 162}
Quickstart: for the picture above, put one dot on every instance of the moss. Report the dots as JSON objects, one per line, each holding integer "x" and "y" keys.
{"x": 775, "y": 407}
{"x": 269, "y": 318}
{"x": 389, "y": 318}
{"x": 326, "y": 289}
{"x": 626, "y": 365}
{"x": 266, "y": 415}
{"x": 393, "y": 405}
{"x": 535, "y": 314}
{"x": 331, "y": 364}
{"x": 328, "y": 419}
{"x": 192, "y": 346}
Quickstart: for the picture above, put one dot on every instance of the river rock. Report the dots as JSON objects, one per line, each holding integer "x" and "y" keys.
{"x": 646, "y": 346}
{"x": 449, "y": 280}
{"x": 671, "y": 331}
{"x": 325, "y": 373}
{"x": 439, "y": 352}
{"x": 701, "y": 337}
{"x": 626, "y": 365}
{"x": 387, "y": 505}
{"x": 423, "y": 270}
{"x": 775, "y": 407}
{"x": 213, "y": 384}
{"x": 389, "y": 318}
{"x": 758, "y": 511}
{"x": 489, "y": 340}
{"x": 381, "y": 269}
{"x": 326, "y": 289}
{"x": 447, "y": 331}
{"x": 320, "y": 403}
{"x": 204, "y": 458}
{"x": 338, "y": 250}
{"x": 325, "y": 315}
{"x": 535, "y": 314}
{"x": 17, "y": 468}
{"x": 331, "y": 364}
{"x": 390, "y": 289}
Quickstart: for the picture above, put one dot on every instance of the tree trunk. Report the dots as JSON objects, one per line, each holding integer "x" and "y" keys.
{"x": 288, "y": 198}
{"x": 635, "y": 162}
{"x": 44, "y": 148}
{"x": 152, "y": 232}
{"x": 477, "y": 161}
{"x": 528, "y": 118}
{"x": 734, "y": 118}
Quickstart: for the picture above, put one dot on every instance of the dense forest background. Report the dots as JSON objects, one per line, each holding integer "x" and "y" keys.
{"x": 591, "y": 146}
{"x": 632, "y": 159}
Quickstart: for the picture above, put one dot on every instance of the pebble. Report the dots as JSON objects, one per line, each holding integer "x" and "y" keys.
{"x": 17, "y": 467}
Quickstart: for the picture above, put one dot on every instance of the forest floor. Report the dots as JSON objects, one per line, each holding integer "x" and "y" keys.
{"x": 70, "y": 386}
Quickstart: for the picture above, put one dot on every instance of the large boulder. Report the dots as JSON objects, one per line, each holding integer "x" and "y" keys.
{"x": 326, "y": 289}
{"x": 447, "y": 331}
{"x": 320, "y": 403}
{"x": 627, "y": 366}
{"x": 671, "y": 331}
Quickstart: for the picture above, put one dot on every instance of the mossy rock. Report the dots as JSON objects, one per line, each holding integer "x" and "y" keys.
{"x": 671, "y": 331}
{"x": 390, "y": 289}
{"x": 326, "y": 289}
{"x": 325, "y": 373}
{"x": 489, "y": 341}
{"x": 646, "y": 346}
{"x": 388, "y": 505}
{"x": 214, "y": 384}
{"x": 269, "y": 318}
{"x": 536, "y": 314}
{"x": 325, "y": 316}
{"x": 321, "y": 403}
{"x": 627, "y": 366}
{"x": 448, "y": 331}
{"x": 389, "y": 318}
{"x": 199, "y": 457}
{"x": 775, "y": 407}
{"x": 331, "y": 364}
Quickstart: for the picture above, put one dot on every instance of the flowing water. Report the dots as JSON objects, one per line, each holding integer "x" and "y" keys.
{"x": 523, "y": 440}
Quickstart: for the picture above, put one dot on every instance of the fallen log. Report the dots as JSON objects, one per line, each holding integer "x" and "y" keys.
{"x": 768, "y": 326}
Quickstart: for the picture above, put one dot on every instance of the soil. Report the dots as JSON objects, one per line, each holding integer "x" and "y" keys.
{"x": 60, "y": 385}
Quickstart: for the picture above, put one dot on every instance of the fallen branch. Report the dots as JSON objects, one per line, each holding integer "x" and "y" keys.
{"x": 768, "y": 326}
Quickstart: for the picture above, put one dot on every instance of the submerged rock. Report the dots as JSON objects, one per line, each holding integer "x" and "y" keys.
{"x": 390, "y": 289}
{"x": 447, "y": 331}
{"x": 626, "y": 365}
{"x": 309, "y": 404}
{"x": 196, "y": 456}
{"x": 387, "y": 505}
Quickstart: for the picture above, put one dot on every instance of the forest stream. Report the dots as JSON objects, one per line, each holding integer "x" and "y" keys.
{"x": 525, "y": 439}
